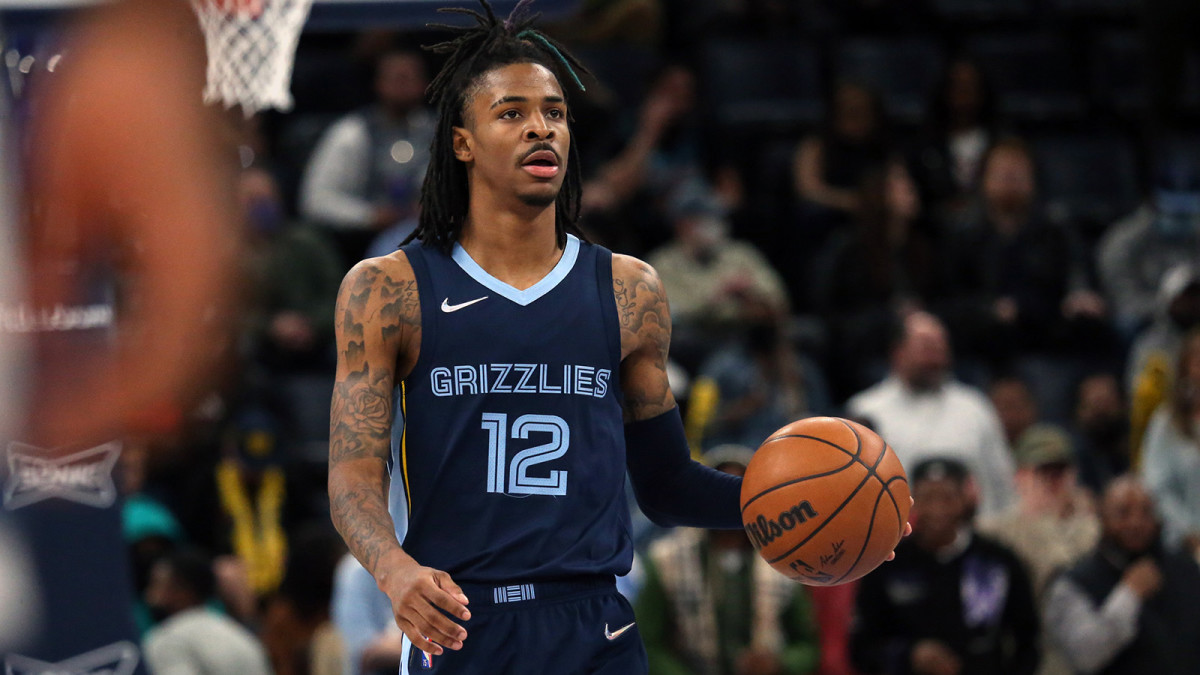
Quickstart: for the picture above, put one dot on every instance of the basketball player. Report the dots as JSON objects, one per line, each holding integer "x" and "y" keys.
{"x": 125, "y": 183}
{"x": 528, "y": 370}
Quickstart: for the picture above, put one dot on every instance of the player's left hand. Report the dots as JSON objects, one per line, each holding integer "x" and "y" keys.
{"x": 907, "y": 529}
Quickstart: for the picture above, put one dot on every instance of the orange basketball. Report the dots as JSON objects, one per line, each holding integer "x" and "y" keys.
{"x": 824, "y": 500}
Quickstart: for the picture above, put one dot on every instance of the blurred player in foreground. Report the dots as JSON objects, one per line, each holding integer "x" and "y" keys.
{"x": 127, "y": 252}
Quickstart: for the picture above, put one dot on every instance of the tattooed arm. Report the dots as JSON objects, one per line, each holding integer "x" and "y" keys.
{"x": 670, "y": 487}
{"x": 378, "y": 329}
{"x": 645, "y": 337}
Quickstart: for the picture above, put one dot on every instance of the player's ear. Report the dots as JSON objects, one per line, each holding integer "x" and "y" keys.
{"x": 463, "y": 143}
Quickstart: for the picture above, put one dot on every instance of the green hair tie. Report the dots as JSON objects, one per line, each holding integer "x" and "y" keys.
{"x": 562, "y": 59}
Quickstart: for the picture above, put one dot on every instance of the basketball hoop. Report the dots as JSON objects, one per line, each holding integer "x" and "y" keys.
{"x": 251, "y": 45}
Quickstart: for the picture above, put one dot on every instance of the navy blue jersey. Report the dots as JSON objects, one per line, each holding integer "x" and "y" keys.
{"x": 512, "y": 453}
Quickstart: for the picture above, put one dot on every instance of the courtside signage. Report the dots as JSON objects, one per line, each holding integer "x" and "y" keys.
{"x": 83, "y": 477}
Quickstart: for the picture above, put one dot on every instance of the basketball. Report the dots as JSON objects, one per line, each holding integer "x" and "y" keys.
{"x": 824, "y": 500}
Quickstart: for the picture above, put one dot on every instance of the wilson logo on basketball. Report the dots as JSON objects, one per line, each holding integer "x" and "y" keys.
{"x": 763, "y": 531}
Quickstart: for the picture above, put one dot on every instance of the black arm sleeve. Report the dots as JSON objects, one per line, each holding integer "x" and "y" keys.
{"x": 673, "y": 489}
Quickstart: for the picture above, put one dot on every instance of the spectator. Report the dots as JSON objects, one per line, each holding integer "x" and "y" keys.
{"x": 711, "y": 604}
{"x": 254, "y": 501}
{"x": 961, "y": 124}
{"x": 366, "y": 171}
{"x": 635, "y": 22}
{"x": 149, "y": 527}
{"x": 1128, "y": 606}
{"x": 924, "y": 413}
{"x": 296, "y": 274}
{"x": 882, "y": 264}
{"x": 1171, "y": 467}
{"x": 373, "y": 643}
{"x": 715, "y": 284}
{"x": 834, "y": 610}
{"x": 1021, "y": 295}
{"x": 1101, "y": 430}
{"x": 1020, "y": 282}
{"x": 1013, "y": 400}
{"x": 830, "y": 166}
{"x": 1156, "y": 348}
{"x": 191, "y": 638}
{"x": 762, "y": 383}
{"x": 663, "y": 161}
{"x": 1053, "y": 523}
{"x": 1137, "y": 251}
{"x": 952, "y": 601}
{"x": 297, "y": 632}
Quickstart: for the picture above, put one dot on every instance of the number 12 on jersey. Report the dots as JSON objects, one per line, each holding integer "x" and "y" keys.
{"x": 513, "y": 477}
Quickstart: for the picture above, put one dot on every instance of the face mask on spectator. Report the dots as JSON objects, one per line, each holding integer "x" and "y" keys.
{"x": 265, "y": 216}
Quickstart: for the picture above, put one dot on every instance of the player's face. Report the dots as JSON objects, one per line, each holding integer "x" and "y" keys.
{"x": 516, "y": 139}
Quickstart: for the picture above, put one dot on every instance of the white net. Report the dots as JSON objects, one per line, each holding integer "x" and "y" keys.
{"x": 251, "y": 45}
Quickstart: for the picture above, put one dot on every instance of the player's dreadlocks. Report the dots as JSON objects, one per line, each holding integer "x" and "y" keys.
{"x": 475, "y": 51}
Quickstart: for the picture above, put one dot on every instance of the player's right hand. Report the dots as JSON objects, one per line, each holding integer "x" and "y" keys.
{"x": 417, "y": 594}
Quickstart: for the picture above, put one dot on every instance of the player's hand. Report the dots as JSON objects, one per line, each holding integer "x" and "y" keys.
{"x": 1143, "y": 578}
{"x": 930, "y": 657}
{"x": 907, "y": 529}
{"x": 417, "y": 594}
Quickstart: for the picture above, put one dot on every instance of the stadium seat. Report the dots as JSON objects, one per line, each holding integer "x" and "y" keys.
{"x": 1118, "y": 75}
{"x": 753, "y": 83}
{"x": 1088, "y": 180}
{"x": 901, "y": 70}
{"x": 1034, "y": 74}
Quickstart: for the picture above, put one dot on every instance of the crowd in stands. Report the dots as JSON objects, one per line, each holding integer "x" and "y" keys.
{"x": 897, "y": 212}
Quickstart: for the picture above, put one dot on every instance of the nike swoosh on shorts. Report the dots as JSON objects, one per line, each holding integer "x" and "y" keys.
{"x": 613, "y": 635}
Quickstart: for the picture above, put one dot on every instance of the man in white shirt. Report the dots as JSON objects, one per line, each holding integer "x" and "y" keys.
{"x": 922, "y": 412}
{"x": 193, "y": 640}
{"x": 366, "y": 171}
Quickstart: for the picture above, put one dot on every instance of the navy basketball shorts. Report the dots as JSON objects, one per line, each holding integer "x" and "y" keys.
{"x": 554, "y": 628}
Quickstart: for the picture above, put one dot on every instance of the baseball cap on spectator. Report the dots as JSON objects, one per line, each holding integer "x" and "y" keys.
{"x": 1043, "y": 445}
{"x": 695, "y": 201}
{"x": 939, "y": 468}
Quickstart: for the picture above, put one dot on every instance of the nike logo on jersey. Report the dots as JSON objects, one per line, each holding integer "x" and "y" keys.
{"x": 447, "y": 307}
{"x": 613, "y": 635}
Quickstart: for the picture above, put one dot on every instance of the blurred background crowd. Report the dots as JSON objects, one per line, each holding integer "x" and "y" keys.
{"x": 973, "y": 225}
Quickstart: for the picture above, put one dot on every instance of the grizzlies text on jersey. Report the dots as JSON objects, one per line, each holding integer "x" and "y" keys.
{"x": 510, "y": 458}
